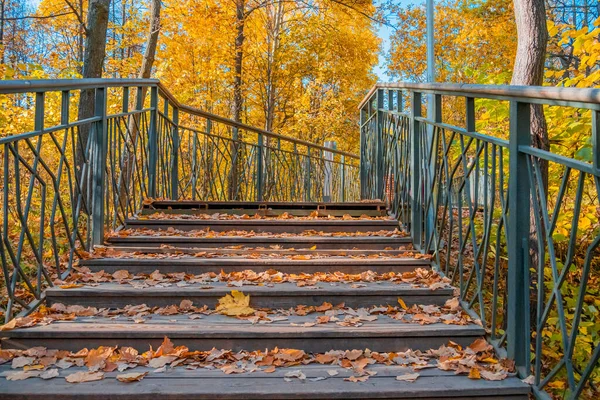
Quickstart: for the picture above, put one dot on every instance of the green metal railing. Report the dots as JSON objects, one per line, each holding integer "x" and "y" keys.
{"x": 480, "y": 203}
{"x": 67, "y": 177}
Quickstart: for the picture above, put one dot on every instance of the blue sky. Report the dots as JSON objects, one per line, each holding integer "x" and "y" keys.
{"x": 384, "y": 32}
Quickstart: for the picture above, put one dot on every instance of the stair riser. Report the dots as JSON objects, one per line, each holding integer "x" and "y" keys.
{"x": 290, "y": 227}
{"x": 202, "y": 266}
{"x": 269, "y": 208}
{"x": 257, "y": 301}
{"x": 286, "y": 243}
{"x": 308, "y": 344}
{"x": 247, "y": 395}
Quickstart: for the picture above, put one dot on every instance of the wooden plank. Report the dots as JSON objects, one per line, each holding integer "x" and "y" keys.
{"x": 273, "y": 226}
{"x": 267, "y": 213}
{"x": 281, "y": 295}
{"x": 231, "y": 333}
{"x": 261, "y": 250}
{"x": 197, "y": 265}
{"x": 180, "y": 383}
{"x": 331, "y": 243}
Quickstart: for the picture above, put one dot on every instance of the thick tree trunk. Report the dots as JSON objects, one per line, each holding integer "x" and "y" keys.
{"x": 129, "y": 152}
{"x": 93, "y": 62}
{"x": 240, "y": 24}
{"x": 529, "y": 70}
{"x": 531, "y": 56}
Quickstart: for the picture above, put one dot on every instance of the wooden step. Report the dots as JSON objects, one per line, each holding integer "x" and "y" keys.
{"x": 280, "y": 295}
{"x": 257, "y": 250}
{"x": 265, "y": 225}
{"x": 354, "y": 209}
{"x": 222, "y": 332}
{"x": 197, "y": 265}
{"x": 296, "y": 242}
{"x": 183, "y": 384}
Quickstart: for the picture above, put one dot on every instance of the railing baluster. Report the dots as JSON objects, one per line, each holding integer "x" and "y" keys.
{"x": 175, "y": 156}
{"x": 259, "y": 169}
{"x": 379, "y": 183}
{"x": 99, "y": 150}
{"x": 153, "y": 142}
{"x": 416, "y": 220}
{"x": 517, "y": 284}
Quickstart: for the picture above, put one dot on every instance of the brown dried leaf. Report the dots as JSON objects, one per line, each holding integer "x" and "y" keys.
{"x": 84, "y": 376}
{"x": 132, "y": 377}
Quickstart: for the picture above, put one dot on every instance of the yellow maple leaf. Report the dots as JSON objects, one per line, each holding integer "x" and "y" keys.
{"x": 235, "y": 304}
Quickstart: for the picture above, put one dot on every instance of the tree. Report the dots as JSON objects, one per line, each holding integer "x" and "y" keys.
{"x": 530, "y": 59}
{"x": 133, "y": 126}
{"x": 93, "y": 61}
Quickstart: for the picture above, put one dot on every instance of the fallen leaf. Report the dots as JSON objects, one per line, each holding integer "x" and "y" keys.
{"x": 355, "y": 379}
{"x": 332, "y": 372}
{"x": 235, "y": 304}
{"x": 9, "y": 325}
{"x": 474, "y": 374}
{"x": 84, "y": 376}
{"x": 71, "y": 286}
{"x": 402, "y": 304}
{"x": 294, "y": 374}
{"x": 161, "y": 361}
{"x": 132, "y": 377}
{"x": 493, "y": 376}
{"x": 21, "y": 375}
{"x": 408, "y": 377}
{"x": 49, "y": 374}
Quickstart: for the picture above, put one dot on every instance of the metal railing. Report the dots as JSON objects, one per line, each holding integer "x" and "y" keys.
{"x": 530, "y": 287}
{"x": 67, "y": 177}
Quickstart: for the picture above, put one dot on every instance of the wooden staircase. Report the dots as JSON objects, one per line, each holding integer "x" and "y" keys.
{"x": 184, "y": 240}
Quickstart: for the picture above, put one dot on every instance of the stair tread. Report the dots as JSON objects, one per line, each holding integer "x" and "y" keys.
{"x": 266, "y": 221}
{"x": 181, "y": 383}
{"x": 333, "y": 260}
{"x": 278, "y": 289}
{"x": 181, "y": 326}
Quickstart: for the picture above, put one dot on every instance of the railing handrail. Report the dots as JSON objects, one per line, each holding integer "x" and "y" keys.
{"x": 531, "y": 94}
{"x": 45, "y": 85}
{"x": 48, "y": 85}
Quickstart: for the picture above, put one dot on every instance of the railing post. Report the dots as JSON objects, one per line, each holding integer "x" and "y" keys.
{"x": 518, "y": 323}
{"x": 379, "y": 184}
{"x": 175, "y": 156}
{"x": 342, "y": 178}
{"x": 233, "y": 181}
{"x": 99, "y": 147}
{"x": 596, "y": 138}
{"x": 327, "y": 172}
{"x": 363, "y": 158}
{"x": 416, "y": 218}
{"x": 153, "y": 142}
{"x": 307, "y": 186}
{"x": 259, "y": 169}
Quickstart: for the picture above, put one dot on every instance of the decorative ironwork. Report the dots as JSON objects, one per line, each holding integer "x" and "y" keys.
{"x": 451, "y": 187}
{"x": 67, "y": 181}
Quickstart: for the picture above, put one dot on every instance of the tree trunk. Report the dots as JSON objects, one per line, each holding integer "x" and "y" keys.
{"x": 129, "y": 151}
{"x": 531, "y": 56}
{"x": 240, "y": 23}
{"x": 93, "y": 62}
{"x": 529, "y": 70}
